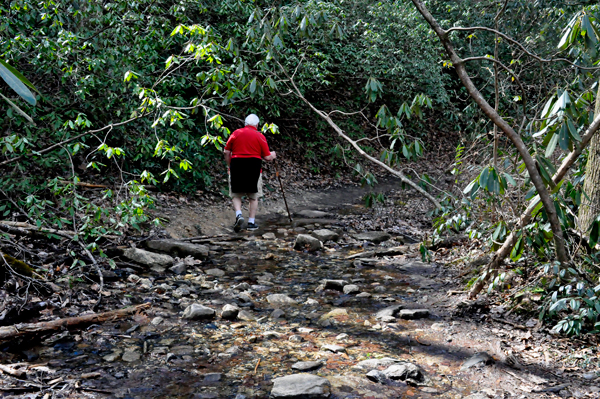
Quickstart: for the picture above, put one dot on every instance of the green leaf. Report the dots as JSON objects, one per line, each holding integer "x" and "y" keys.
{"x": 253, "y": 85}
{"x": 517, "y": 251}
{"x": 16, "y": 83}
{"x": 552, "y": 145}
{"x": 594, "y": 233}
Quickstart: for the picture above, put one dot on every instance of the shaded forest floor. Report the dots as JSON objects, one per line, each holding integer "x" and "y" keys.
{"x": 357, "y": 306}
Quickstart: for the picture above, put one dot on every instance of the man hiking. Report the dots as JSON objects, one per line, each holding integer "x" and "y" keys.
{"x": 244, "y": 152}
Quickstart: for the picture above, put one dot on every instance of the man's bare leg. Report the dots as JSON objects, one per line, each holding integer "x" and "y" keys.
{"x": 237, "y": 204}
{"x": 253, "y": 205}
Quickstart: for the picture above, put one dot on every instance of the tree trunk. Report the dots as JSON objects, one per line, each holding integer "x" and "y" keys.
{"x": 589, "y": 208}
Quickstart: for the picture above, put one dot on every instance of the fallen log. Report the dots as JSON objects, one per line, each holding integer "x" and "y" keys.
{"x": 26, "y": 229}
{"x": 29, "y": 328}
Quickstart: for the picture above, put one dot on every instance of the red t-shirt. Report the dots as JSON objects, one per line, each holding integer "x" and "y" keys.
{"x": 247, "y": 142}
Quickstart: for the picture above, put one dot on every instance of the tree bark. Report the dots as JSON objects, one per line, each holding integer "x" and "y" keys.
{"x": 45, "y": 326}
{"x": 459, "y": 65}
{"x": 511, "y": 240}
{"x": 588, "y": 211}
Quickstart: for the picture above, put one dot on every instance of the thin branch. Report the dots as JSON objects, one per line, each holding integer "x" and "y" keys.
{"x": 57, "y": 145}
{"x": 518, "y": 44}
{"x": 507, "y": 69}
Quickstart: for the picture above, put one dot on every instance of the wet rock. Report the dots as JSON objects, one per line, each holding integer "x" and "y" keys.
{"x": 334, "y": 284}
{"x": 180, "y": 248}
{"x": 370, "y": 364}
{"x": 307, "y": 366}
{"x": 312, "y": 214}
{"x": 411, "y": 314}
{"x": 333, "y": 348}
{"x": 300, "y": 386}
{"x": 296, "y": 338}
{"x": 334, "y": 313}
{"x": 351, "y": 289}
{"x": 211, "y": 378}
{"x": 405, "y": 371}
{"x": 277, "y": 314}
{"x": 131, "y": 355}
{"x": 182, "y": 350}
{"x": 480, "y": 358}
{"x": 325, "y": 235}
{"x": 215, "y": 272}
{"x": 375, "y": 237}
{"x": 148, "y": 258}
{"x": 304, "y": 241}
{"x": 280, "y": 299}
{"x": 111, "y": 357}
{"x": 389, "y": 311}
{"x": 246, "y": 315}
{"x": 229, "y": 312}
{"x": 197, "y": 311}
{"x": 179, "y": 269}
{"x": 377, "y": 376}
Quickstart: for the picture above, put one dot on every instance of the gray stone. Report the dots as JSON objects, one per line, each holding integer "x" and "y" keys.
{"x": 364, "y": 295}
{"x": 280, "y": 299}
{"x": 411, "y": 314}
{"x": 296, "y": 338}
{"x": 182, "y": 350}
{"x": 371, "y": 364}
{"x": 246, "y": 315}
{"x": 351, "y": 289}
{"x": 131, "y": 355}
{"x": 405, "y": 371}
{"x": 180, "y": 248}
{"x": 312, "y": 214}
{"x": 111, "y": 357}
{"x": 304, "y": 241}
{"x": 334, "y": 348}
{"x": 157, "y": 320}
{"x": 389, "y": 311}
{"x": 229, "y": 312}
{"x": 212, "y": 377}
{"x": 300, "y": 386}
{"x": 325, "y": 235}
{"x": 377, "y": 376}
{"x": 479, "y": 358}
{"x": 269, "y": 236}
{"x": 334, "y": 284}
{"x": 277, "y": 314}
{"x": 375, "y": 237}
{"x": 197, "y": 311}
{"x": 307, "y": 366}
{"x": 148, "y": 258}
{"x": 215, "y": 272}
{"x": 179, "y": 268}
{"x": 387, "y": 319}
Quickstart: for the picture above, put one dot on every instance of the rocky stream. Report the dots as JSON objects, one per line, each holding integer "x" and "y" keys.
{"x": 313, "y": 309}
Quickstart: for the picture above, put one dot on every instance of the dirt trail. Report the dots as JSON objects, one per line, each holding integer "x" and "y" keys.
{"x": 381, "y": 307}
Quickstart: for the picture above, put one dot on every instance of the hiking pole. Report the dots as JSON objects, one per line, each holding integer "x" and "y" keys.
{"x": 282, "y": 192}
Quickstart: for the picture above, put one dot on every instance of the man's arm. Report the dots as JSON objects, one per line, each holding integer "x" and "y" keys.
{"x": 270, "y": 157}
{"x": 227, "y": 155}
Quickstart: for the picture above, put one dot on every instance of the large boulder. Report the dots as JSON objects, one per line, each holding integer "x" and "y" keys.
{"x": 300, "y": 386}
{"x": 148, "y": 258}
{"x": 304, "y": 241}
{"x": 197, "y": 311}
{"x": 180, "y": 248}
{"x": 325, "y": 235}
{"x": 373, "y": 236}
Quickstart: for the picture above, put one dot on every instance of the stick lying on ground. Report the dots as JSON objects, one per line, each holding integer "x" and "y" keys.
{"x": 29, "y": 328}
